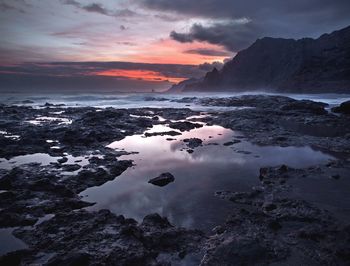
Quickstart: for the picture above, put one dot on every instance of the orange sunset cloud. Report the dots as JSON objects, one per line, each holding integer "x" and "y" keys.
{"x": 138, "y": 74}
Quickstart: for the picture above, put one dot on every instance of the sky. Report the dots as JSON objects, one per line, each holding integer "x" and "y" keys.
{"x": 142, "y": 45}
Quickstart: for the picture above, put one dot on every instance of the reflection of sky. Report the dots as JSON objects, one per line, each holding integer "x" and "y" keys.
{"x": 190, "y": 201}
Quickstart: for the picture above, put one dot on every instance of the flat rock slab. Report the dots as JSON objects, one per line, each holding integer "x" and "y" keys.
{"x": 162, "y": 180}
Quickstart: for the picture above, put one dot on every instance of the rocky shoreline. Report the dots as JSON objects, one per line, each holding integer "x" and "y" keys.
{"x": 268, "y": 225}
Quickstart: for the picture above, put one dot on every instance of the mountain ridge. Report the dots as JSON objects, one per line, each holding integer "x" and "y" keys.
{"x": 284, "y": 65}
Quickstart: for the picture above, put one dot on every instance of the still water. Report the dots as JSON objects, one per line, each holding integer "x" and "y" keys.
{"x": 190, "y": 200}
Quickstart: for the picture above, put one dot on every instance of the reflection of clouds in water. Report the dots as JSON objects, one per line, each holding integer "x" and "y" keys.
{"x": 217, "y": 154}
{"x": 190, "y": 201}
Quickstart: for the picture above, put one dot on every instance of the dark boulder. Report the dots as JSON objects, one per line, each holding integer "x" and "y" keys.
{"x": 162, "y": 180}
{"x": 344, "y": 108}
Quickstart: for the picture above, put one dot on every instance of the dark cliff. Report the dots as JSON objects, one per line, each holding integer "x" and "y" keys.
{"x": 286, "y": 65}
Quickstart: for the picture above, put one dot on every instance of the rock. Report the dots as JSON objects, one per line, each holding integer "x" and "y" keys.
{"x": 184, "y": 126}
{"x": 84, "y": 238}
{"x": 306, "y": 106}
{"x": 167, "y": 133}
{"x": 300, "y": 66}
{"x": 62, "y": 160}
{"x": 193, "y": 142}
{"x": 70, "y": 167}
{"x": 344, "y": 108}
{"x": 162, "y": 180}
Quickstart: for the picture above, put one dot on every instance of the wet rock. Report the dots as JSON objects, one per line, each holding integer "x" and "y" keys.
{"x": 184, "y": 126}
{"x": 83, "y": 237}
{"x": 62, "y": 160}
{"x": 158, "y": 99}
{"x": 306, "y": 106}
{"x": 166, "y": 133}
{"x": 33, "y": 191}
{"x": 71, "y": 167}
{"x": 291, "y": 231}
{"x": 162, "y": 180}
{"x": 53, "y": 105}
{"x": 344, "y": 108}
{"x": 193, "y": 142}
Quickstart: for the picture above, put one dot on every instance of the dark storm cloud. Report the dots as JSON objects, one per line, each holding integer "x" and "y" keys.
{"x": 231, "y": 35}
{"x": 208, "y": 52}
{"x": 275, "y": 18}
{"x": 250, "y": 8}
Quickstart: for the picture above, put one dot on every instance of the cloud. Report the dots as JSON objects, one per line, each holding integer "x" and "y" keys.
{"x": 100, "y": 9}
{"x": 208, "y": 52}
{"x": 275, "y": 18}
{"x": 96, "y": 8}
{"x": 4, "y": 6}
{"x": 232, "y": 36}
{"x": 124, "y": 13}
{"x": 71, "y": 2}
{"x": 97, "y": 75}
{"x": 127, "y": 43}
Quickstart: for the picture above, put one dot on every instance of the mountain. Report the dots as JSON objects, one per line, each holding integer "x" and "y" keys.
{"x": 285, "y": 65}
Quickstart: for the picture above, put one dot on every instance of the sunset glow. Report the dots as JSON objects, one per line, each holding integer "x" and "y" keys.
{"x": 149, "y": 42}
{"x": 138, "y": 74}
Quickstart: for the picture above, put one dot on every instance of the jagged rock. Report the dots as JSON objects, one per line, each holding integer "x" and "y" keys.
{"x": 305, "y": 65}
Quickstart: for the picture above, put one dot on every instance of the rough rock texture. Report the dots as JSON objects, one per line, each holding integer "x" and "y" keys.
{"x": 268, "y": 225}
{"x": 32, "y": 190}
{"x": 271, "y": 226}
{"x": 279, "y": 120}
{"x": 84, "y": 238}
{"x": 305, "y": 65}
{"x": 88, "y": 129}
